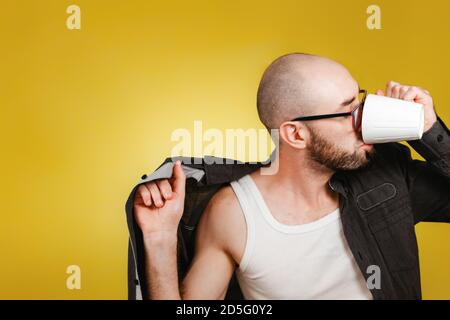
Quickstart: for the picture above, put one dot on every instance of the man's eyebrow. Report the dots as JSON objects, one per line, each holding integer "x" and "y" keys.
{"x": 350, "y": 100}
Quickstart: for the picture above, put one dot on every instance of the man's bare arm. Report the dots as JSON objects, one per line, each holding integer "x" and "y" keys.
{"x": 161, "y": 267}
{"x": 158, "y": 211}
{"x": 158, "y": 207}
{"x": 220, "y": 239}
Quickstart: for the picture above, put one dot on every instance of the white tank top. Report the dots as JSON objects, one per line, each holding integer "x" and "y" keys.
{"x": 306, "y": 261}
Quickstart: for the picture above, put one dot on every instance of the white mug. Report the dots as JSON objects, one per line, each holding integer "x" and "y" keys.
{"x": 386, "y": 119}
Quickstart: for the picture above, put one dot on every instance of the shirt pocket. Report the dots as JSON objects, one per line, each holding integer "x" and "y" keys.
{"x": 383, "y": 205}
{"x": 387, "y": 210}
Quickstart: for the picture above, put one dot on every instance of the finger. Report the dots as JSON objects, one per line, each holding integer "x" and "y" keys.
{"x": 412, "y": 94}
{"x": 395, "y": 91}
{"x": 165, "y": 187}
{"x": 389, "y": 87}
{"x": 380, "y": 92}
{"x": 144, "y": 193}
{"x": 156, "y": 194}
{"x": 402, "y": 91}
{"x": 179, "y": 178}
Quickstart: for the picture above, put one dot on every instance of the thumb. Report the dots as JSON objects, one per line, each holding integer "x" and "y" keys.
{"x": 179, "y": 178}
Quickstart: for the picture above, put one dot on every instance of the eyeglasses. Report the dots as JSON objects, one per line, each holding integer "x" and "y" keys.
{"x": 356, "y": 113}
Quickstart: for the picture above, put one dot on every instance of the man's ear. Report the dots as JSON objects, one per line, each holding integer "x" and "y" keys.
{"x": 294, "y": 133}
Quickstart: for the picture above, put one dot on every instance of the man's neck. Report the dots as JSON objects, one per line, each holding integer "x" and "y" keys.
{"x": 301, "y": 180}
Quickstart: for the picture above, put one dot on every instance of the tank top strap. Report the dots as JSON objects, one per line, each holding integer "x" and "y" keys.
{"x": 249, "y": 210}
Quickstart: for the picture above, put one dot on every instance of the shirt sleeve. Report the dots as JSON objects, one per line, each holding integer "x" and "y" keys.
{"x": 429, "y": 181}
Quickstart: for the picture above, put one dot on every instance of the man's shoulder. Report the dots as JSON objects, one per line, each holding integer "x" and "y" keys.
{"x": 222, "y": 221}
{"x": 223, "y": 208}
{"x": 224, "y": 197}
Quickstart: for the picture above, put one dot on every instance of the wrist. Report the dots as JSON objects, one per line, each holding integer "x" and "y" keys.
{"x": 160, "y": 238}
{"x": 430, "y": 120}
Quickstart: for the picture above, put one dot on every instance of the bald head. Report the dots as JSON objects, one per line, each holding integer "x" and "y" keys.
{"x": 299, "y": 84}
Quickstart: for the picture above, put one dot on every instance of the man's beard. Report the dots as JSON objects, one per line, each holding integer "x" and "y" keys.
{"x": 330, "y": 156}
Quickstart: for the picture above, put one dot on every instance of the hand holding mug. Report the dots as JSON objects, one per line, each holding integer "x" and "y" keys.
{"x": 413, "y": 94}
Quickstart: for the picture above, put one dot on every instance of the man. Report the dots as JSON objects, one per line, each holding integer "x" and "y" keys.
{"x": 282, "y": 233}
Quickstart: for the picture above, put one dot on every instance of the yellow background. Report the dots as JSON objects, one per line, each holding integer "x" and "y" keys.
{"x": 85, "y": 112}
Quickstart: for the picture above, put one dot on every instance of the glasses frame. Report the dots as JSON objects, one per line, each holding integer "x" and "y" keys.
{"x": 356, "y": 113}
